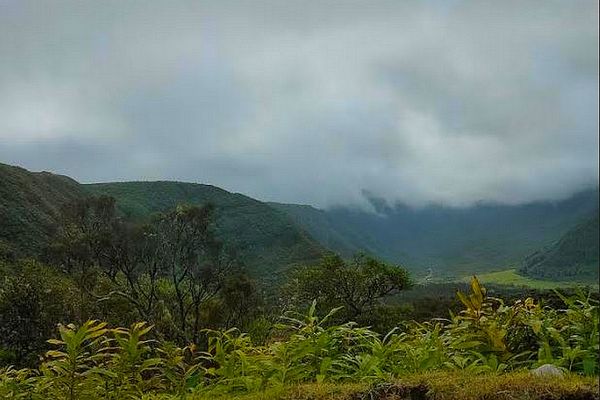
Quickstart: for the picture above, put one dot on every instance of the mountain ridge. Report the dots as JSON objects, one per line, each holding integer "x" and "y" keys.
{"x": 271, "y": 237}
{"x": 265, "y": 240}
{"x": 484, "y": 237}
{"x": 262, "y": 234}
{"x": 574, "y": 255}
{"x": 30, "y": 206}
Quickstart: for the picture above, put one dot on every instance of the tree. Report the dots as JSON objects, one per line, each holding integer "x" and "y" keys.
{"x": 240, "y": 300}
{"x": 7, "y": 253}
{"x": 193, "y": 261}
{"x": 86, "y": 236}
{"x": 33, "y": 299}
{"x": 166, "y": 269}
{"x": 358, "y": 285}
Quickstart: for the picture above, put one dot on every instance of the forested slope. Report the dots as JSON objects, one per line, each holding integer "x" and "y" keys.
{"x": 30, "y": 204}
{"x": 266, "y": 240}
{"x": 447, "y": 240}
{"x": 270, "y": 237}
{"x": 575, "y": 255}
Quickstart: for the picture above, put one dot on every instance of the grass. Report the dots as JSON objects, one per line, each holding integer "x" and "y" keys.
{"x": 511, "y": 277}
{"x": 438, "y": 386}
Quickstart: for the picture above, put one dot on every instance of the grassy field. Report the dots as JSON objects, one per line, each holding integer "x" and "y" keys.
{"x": 511, "y": 277}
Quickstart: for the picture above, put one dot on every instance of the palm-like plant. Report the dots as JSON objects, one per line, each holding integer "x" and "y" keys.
{"x": 74, "y": 372}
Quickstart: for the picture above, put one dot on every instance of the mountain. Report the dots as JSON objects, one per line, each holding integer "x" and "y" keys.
{"x": 448, "y": 241}
{"x": 332, "y": 232}
{"x": 574, "y": 256}
{"x": 30, "y": 205}
{"x": 265, "y": 240}
{"x": 269, "y": 237}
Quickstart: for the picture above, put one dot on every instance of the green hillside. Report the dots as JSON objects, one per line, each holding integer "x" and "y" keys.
{"x": 442, "y": 241}
{"x": 574, "y": 256}
{"x": 265, "y": 239}
{"x": 29, "y": 206}
{"x": 512, "y": 277}
{"x": 445, "y": 240}
{"x": 331, "y": 232}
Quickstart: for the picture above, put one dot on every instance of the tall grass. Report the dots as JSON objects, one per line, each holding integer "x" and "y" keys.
{"x": 94, "y": 361}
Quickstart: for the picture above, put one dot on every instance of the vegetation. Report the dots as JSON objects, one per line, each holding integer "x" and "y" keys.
{"x": 31, "y": 204}
{"x": 33, "y": 298}
{"x": 29, "y": 208}
{"x": 514, "y": 278}
{"x": 575, "y": 256}
{"x": 168, "y": 270}
{"x": 171, "y": 271}
{"x": 324, "y": 326}
{"x": 273, "y": 238}
{"x": 454, "y": 385}
{"x": 93, "y": 361}
{"x": 267, "y": 240}
{"x": 450, "y": 242}
{"x": 356, "y": 286}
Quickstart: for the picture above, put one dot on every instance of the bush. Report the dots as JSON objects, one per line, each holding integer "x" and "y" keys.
{"x": 33, "y": 299}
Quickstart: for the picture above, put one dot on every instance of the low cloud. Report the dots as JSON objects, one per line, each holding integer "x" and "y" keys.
{"x": 309, "y": 102}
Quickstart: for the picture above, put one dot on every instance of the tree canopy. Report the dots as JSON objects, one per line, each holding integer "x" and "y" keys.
{"x": 358, "y": 284}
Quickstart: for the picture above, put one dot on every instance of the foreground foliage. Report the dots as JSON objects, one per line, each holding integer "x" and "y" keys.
{"x": 454, "y": 385}
{"x": 94, "y": 361}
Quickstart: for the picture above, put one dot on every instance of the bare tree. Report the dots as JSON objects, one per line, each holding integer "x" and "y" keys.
{"x": 177, "y": 249}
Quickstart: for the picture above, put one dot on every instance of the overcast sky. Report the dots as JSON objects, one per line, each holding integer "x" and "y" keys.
{"x": 307, "y": 101}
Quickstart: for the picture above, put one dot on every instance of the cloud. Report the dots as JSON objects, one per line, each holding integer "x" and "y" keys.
{"x": 312, "y": 102}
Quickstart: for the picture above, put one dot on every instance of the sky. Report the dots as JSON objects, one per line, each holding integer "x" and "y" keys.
{"x": 315, "y": 102}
